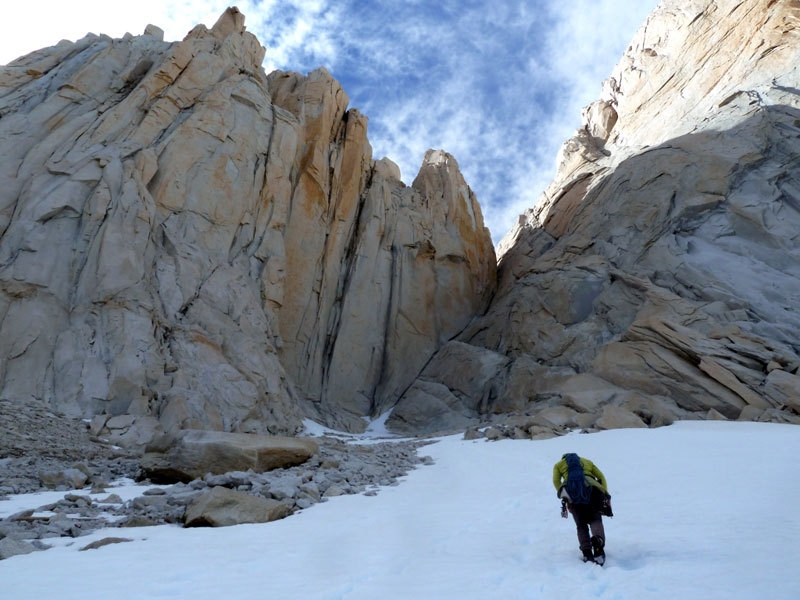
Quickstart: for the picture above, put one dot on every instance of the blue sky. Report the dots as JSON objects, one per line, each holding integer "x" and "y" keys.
{"x": 497, "y": 83}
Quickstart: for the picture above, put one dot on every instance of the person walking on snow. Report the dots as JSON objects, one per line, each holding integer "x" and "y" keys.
{"x": 583, "y": 491}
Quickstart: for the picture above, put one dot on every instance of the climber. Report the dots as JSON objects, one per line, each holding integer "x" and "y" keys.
{"x": 583, "y": 491}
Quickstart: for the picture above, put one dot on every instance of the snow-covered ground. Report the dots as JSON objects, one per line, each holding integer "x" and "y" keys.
{"x": 703, "y": 510}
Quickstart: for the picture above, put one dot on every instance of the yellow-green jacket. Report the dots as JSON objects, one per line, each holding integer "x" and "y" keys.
{"x": 593, "y": 475}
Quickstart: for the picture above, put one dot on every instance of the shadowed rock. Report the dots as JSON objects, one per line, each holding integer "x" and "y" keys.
{"x": 222, "y": 507}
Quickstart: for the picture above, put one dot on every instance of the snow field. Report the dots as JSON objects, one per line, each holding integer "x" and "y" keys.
{"x": 703, "y": 510}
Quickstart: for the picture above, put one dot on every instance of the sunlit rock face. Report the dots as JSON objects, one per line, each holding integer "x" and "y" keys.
{"x": 659, "y": 275}
{"x": 185, "y": 237}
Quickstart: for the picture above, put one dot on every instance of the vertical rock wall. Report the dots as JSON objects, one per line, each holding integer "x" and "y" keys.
{"x": 186, "y": 238}
{"x": 657, "y": 278}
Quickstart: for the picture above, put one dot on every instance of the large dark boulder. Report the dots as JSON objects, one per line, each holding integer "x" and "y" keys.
{"x": 191, "y": 453}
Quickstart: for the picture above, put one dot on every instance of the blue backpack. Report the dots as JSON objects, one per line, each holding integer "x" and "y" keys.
{"x": 576, "y": 486}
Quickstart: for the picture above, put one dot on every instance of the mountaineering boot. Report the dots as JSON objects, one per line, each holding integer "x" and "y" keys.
{"x": 597, "y": 545}
{"x": 587, "y": 555}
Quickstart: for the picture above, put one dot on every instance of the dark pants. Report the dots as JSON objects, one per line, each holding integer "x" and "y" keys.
{"x": 589, "y": 516}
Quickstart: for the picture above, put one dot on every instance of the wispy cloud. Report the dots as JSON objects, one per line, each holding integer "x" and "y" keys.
{"x": 498, "y": 84}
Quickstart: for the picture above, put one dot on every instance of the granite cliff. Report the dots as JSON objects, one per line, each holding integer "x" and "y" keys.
{"x": 658, "y": 277}
{"x": 188, "y": 242}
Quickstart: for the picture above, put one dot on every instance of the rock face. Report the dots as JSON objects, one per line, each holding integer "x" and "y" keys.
{"x": 659, "y": 276}
{"x": 188, "y": 242}
{"x": 188, "y": 239}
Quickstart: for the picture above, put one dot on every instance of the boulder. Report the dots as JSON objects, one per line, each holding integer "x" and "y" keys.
{"x": 618, "y": 417}
{"x": 783, "y": 388}
{"x": 750, "y": 413}
{"x": 71, "y": 478}
{"x": 10, "y": 547}
{"x": 222, "y": 507}
{"x": 190, "y": 454}
{"x": 104, "y": 542}
{"x": 333, "y": 491}
{"x": 653, "y": 410}
{"x": 559, "y": 417}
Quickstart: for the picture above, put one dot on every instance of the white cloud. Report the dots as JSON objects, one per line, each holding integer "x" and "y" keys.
{"x": 501, "y": 89}
{"x": 23, "y": 32}
{"x": 498, "y": 84}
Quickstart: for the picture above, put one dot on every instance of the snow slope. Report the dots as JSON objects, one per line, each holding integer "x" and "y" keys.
{"x": 703, "y": 510}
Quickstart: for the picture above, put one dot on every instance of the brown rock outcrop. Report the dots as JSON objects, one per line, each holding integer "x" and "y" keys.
{"x": 189, "y": 454}
{"x": 185, "y": 237}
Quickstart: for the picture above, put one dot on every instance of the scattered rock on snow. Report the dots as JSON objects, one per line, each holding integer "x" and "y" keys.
{"x": 105, "y": 542}
{"x": 349, "y": 468}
